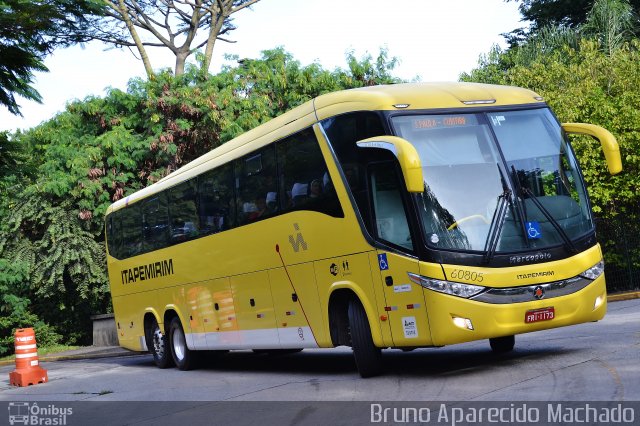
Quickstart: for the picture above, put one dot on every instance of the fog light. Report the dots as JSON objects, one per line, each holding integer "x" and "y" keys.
{"x": 463, "y": 323}
{"x": 598, "y": 302}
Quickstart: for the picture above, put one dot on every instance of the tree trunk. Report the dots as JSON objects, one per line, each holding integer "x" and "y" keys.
{"x": 181, "y": 59}
{"x": 136, "y": 38}
{"x": 214, "y": 30}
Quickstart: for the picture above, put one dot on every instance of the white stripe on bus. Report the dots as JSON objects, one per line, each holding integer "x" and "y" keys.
{"x": 266, "y": 338}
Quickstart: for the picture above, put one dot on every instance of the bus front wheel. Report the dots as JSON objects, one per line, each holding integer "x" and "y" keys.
{"x": 501, "y": 345}
{"x": 368, "y": 356}
{"x": 157, "y": 344}
{"x": 182, "y": 355}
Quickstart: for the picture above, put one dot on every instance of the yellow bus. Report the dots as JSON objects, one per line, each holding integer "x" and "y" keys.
{"x": 399, "y": 216}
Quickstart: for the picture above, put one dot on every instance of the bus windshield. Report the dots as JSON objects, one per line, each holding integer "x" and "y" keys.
{"x": 502, "y": 181}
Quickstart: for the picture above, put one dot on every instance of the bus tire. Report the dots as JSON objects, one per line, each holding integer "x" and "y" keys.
{"x": 368, "y": 356}
{"x": 183, "y": 357}
{"x": 501, "y": 345}
{"x": 158, "y": 345}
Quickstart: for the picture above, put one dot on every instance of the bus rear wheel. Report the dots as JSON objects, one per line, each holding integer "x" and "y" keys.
{"x": 158, "y": 345}
{"x": 182, "y": 355}
{"x": 501, "y": 345}
{"x": 368, "y": 356}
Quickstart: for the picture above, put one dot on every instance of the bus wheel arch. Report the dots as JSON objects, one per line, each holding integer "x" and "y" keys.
{"x": 339, "y": 317}
{"x": 157, "y": 341}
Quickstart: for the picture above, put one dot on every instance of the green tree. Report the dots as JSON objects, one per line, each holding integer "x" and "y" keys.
{"x": 554, "y": 14}
{"x": 13, "y": 158}
{"x": 611, "y": 23}
{"x": 102, "y": 149}
{"x": 29, "y": 30}
{"x": 15, "y": 309}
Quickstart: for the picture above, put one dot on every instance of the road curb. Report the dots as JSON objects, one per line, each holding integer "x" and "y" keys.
{"x": 623, "y": 296}
{"x": 90, "y": 356}
{"x": 75, "y": 357}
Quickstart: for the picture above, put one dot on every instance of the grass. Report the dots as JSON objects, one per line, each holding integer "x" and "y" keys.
{"x": 45, "y": 351}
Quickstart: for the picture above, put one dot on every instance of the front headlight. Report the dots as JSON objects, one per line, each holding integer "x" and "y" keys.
{"x": 594, "y": 272}
{"x": 446, "y": 287}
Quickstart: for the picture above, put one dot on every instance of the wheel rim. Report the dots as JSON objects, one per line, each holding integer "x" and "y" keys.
{"x": 179, "y": 344}
{"x": 158, "y": 342}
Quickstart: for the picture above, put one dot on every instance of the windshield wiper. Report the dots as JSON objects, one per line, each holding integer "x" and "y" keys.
{"x": 496, "y": 225}
{"x": 521, "y": 209}
{"x": 526, "y": 191}
{"x": 567, "y": 241}
{"x": 497, "y": 220}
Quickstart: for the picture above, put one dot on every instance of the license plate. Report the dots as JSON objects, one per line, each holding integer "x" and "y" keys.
{"x": 537, "y": 315}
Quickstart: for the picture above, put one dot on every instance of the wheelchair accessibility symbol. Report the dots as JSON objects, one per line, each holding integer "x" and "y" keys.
{"x": 382, "y": 262}
{"x": 533, "y": 230}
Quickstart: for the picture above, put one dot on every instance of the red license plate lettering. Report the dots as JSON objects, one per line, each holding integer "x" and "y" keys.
{"x": 537, "y": 315}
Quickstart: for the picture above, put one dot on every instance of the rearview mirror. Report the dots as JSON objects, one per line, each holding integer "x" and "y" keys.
{"x": 407, "y": 157}
{"x": 607, "y": 141}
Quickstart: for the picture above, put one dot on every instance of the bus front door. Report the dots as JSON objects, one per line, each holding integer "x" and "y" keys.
{"x": 405, "y": 306}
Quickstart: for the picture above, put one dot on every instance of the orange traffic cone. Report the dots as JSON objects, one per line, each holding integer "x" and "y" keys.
{"x": 28, "y": 371}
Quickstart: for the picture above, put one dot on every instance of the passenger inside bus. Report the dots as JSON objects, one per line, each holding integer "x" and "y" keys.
{"x": 272, "y": 202}
{"x": 315, "y": 189}
{"x": 248, "y": 210}
{"x": 260, "y": 209}
{"x": 299, "y": 193}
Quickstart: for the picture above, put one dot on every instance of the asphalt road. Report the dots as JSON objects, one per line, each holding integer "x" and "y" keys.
{"x": 589, "y": 362}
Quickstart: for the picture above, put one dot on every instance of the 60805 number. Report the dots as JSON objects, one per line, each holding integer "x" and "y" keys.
{"x": 467, "y": 275}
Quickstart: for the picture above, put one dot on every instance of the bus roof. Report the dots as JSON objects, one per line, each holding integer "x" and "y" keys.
{"x": 395, "y": 97}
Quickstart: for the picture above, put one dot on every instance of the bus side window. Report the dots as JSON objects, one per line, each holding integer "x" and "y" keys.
{"x": 256, "y": 184}
{"x": 131, "y": 231}
{"x": 343, "y": 132}
{"x": 304, "y": 175}
{"x": 182, "y": 211}
{"x": 155, "y": 222}
{"x": 114, "y": 234}
{"x": 215, "y": 192}
{"x": 386, "y": 197}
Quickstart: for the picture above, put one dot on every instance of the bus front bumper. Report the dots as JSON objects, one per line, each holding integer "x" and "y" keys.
{"x": 457, "y": 320}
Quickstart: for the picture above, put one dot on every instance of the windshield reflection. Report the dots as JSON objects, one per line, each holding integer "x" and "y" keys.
{"x": 467, "y": 178}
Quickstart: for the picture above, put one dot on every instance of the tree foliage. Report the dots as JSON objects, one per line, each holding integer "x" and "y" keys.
{"x": 29, "y": 30}
{"x": 15, "y": 308}
{"x": 102, "y": 149}
{"x": 13, "y": 159}
{"x": 567, "y": 14}
{"x": 610, "y": 23}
